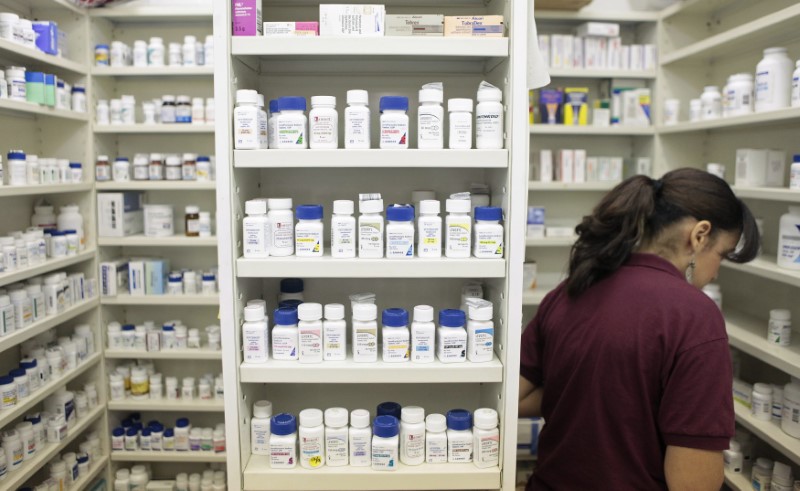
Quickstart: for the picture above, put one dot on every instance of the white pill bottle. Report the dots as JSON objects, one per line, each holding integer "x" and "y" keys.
{"x": 489, "y": 117}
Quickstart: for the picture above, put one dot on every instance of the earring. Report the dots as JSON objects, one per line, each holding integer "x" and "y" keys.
{"x": 690, "y": 270}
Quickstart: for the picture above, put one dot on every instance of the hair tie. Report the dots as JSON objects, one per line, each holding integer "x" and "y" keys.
{"x": 658, "y": 184}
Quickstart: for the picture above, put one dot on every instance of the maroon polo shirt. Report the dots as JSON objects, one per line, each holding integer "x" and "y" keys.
{"x": 637, "y": 362}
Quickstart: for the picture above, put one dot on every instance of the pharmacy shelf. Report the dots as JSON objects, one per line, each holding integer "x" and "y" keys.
{"x": 94, "y": 471}
{"x": 148, "y": 13}
{"x": 551, "y": 242}
{"x": 769, "y": 194}
{"x": 600, "y": 186}
{"x": 771, "y": 29}
{"x": 46, "y": 267}
{"x": 767, "y": 267}
{"x": 30, "y": 57}
{"x": 782, "y": 117}
{"x": 619, "y": 16}
{"x": 585, "y": 73}
{"x": 25, "y": 405}
{"x": 40, "y": 189}
{"x": 49, "y": 4}
{"x": 16, "y": 479}
{"x": 560, "y": 129}
{"x": 258, "y": 476}
{"x": 329, "y": 267}
{"x": 694, "y": 7}
{"x": 170, "y": 456}
{"x": 16, "y": 108}
{"x": 181, "y": 354}
{"x": 374, "y": 158}
{"x": 172, "y": 241}
{"x": 390, "y": 47}
{"x": 749, "y": 334}
{"x": 738, "y": 481}
{"x": 770, "y": 432}
{"x": 153, "y": 71}
{"x": 349, "y": 372}
{"x": 162, "y": 300}
{"x": 157, "y": 186}
{"x": 194, "y": 406}
{"x": 155, "y": 129}
{"x": 46, "y": 324}
{"x": 533, "y": 298}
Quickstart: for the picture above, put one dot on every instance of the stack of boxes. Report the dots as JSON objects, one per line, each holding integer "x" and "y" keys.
{"x": 596, "y": 46}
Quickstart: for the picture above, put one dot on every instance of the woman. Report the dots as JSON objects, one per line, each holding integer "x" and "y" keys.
{"x": 627, "y": 360}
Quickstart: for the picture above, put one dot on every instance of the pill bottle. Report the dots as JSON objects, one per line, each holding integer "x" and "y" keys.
{"x": 385, "y": 443}
{"x": 285, "y": 335}
{"x": 173, "y": 170}
{"x": 733, "y": 458}
{"x": 412, "y": 435}
{"x": 711, "y": 100}
{"x": 480, "y": 330}
{"x": 458, "y": 225}
{"x": 762, "y": 473}
{"x": 451, "y": 336}
{"x": 8, "y": 392}
{"x": 336, "y": 437}
{"x": 791, "y": 407}
{"x": 396, "y": 336}
{"x": 15, "y": 77}
{"x": 263, "y": 136}
{"x": 423, "y": 335}
{"x": 779, "y": 331}
{"x": 489, "y": 117}
{"x": 400, "y": 232}
{"x": 121, "y": 171}
{"x": 794, "y": 173}
{"x": 435, "y": 439}
{"x": 489, "y": 233}
{"x": 309, "y": 331}
{"x": 430, "y": 229}
{"x": 79, "y": 99}
{"x": 292, "y": 124}
{"x": 198, "y": 110}
{"x": 459, "y": 436}
{"x": 189, "y": 167}
{"x": 254, "y": 335}
{"x": 283, "y": 442}
{"x": 739, "y": 94}
{"x": 430, "y": 117}
{"x": 204, "y": 171}
{"x": 789, "y": 239}
{"x": 370, "y": 229}
{"x": 365, "y": 333}
{"x": 695, "y": 110}
{"x": 260, "y": 427}
{"x": 139, "y": 53}
{"x": 141, "y": 163}
{"x": 168, "y": 109}
{"x": 460, "y": 123}
{"x": 360, "y": 436}
{"x": 102, "y": 112}
{"x": 334, "y": 344}
{"x": 773, "y": 80}
{"x": 781, "y": 477}
{"x": 308, "y": 236}
{"x": 256, "y": 230}
{"x": 17, "y": 168}
{"x": 156, "y": 167}
{"x": 762, "y": 402}
{"x": 189, "y": 51}
{"x": 155, "y": 52}
{"x": 312, "y": 439}
{"x": 486, "y": 438}
{"x": 192, "y": 221}
{"x": 210, "y": 111}
{"x": 246, "y": 120}
{"x": 394, "y": 129}
{"x": 343, "y": 229}
{"x": 357, "y": 120}
{"x": 272, "y": 124}
{"x": 323, "y": 123}
{"x": 281, "y": 221}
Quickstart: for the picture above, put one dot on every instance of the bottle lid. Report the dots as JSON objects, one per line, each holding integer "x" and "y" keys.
{"x": 279, "y": 203}
{"x": 334, "y": 311}
{"x": 395, "y": 317}
{"x": 485, "y": 418}
{"x": 243, "y": 96}
{"x": 796, "y": 157}
{"x": 389, "y": 408}
{"x": 132, "y": 431}
{"x": 169, "y": 433}
{"x": 458, "y": 205}
{"x": 480, "y": 309}
{"x": 357, "y": 97}
{"x": 262, "y": 409}
{"x": 261, "y": 100}
{"x": 18, "y": 372}
{"x": 452, "y": 318}
{"x": 400, "y": 213}
{"x": 459, "y": 419}
{"x": 488, "y": 213}
{"x": 128, "y": 327}
{"x": 291, "y": 285}
{"x": 412, "y": 414}
{"x": 291, "y": 103}
{"x": 359, "y": 418}
{"x": 323, "y": 100}
{"x": 394, "y": 103}
{"x": 309, "y": 312}
{"x": 5, "y": 380}
{"x": 431, "y": 95}
{"x": 764, "y": 463}
{"x": 254, "y": 313}
{"x": 385, "y": 426}
{"x": 365, "y": 312}
{"x": 459, "y": 105}
{"x": 774, "y": 50}
{"x": 489, "y": 93}
{"x": 118, "y": 432}
{"x": 310, "y": 418}
{"x": 309, "y": 212}
{"x": 711, "y": 88}
{"x": 436, "y": 423}
{"x": 430, "y": 207}
{"x": 16, "y": 155}
{"x": 343, "y": 207}
{"x": 370, "y": 206}
{"x": 192, "y": 210}
{"x": 283, "y": 424}
{"x": 273, "y": 106}
{"x": 336, "y": 417}
{"x": 423, "y": 313}
{"x": 780, "y": 314}
{"x": 285, "y": 316}
{"x": 34, "y": 77}
{"x": 762, "y": 388}
{"x": 182, "y": 422}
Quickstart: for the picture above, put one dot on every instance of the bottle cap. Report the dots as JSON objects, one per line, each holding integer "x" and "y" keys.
{"x": 357, "y": 97}
{"x": 371, "y": 206}
{"x": 279, "y": 203}
{"x": 480, "y": 309}
{"x": 436, "y": 423}
{"x": 458, "y": 205}
{"x": 291, "y": 303}
{"x": 309, "y": 212}
{"x": 394, "y": 103}
{"x": 334, "y": 311}
{"x": 485, "y": 418}
{"x": 459, "y": 419}
{"x": 254, "y": 313}
{"x": 423, "y": 313}
{"x": 395, "y": 317}
{"x": 452, "y": 318}
{"x": 359, "y": 418}
{"x": 192, "y": 210}
{"x": 323, "y": 100}
{"x": 430, "y": 207}
{"x": 309, "y": 312}
{"x": 283, "y": 424}
{"x": 780, "y": 314}
{"x": 343, "y": 207}
{"x": 244, "y": 96}
{"x": 459, "y": 105}
{"x": 412, "y": 414}
{"x": 336, "y": 417}
{"x": 385, "y": 426}
{"x": 273, "y": 106}
{"x": 365, "y": 312}
{"x": 400, "y": 213}
{"x": 489, "y": 93}
{"x": 285, "y": 316}
{"x": 488, "y": 213}
{"x": 292, "y": 285}
{"x": 389, "y": 408}
{"x": 310, "y": 418}
{"x": 291, "y": 103}
{"x": 431, "y": 95}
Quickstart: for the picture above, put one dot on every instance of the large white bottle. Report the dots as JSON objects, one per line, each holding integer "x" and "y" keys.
{"x": 370, "y": 229}
{"x": 429, "y": 229}
{"x": 357, "y": 120}
{"x": 773, "y": 80}
{"x": 256, "y": 230}
{"x": 489, "y": 117}
{"x": 254, "y": 335}
{"x": 343, "y": 230}
{"x": 789, "y": 239}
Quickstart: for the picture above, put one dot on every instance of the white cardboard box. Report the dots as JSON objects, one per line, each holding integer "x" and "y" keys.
{"x": 113, "y": 277}
{"x": 751, "y": 167}
{"x": 579, "y": 172}
{"x": 136, "y": 277}
{"x": 336, "y": 20}
{"x": 565, "y": 166}
{"x": 119, "y": 214}
{"x": 776, "y": 168}
{"x": 602, "y": 29}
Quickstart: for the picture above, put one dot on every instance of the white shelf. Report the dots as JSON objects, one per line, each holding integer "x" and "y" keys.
{"x": 182, "y": 354}
{"x": 551, "y": 242}
{"x": 46, "y": 324}
{"x": 258, "y": 476}
{"x": 762, "y": 32}
{"x": 533, "y": 298}
{"x": 349, "y": 372}
{"x": 157, "y": 186}
{"x": 770, "y": 432}
{"x": 738, "y": 482}
{"x": 693, "y": 7}
{"x": 329, "y": 267}
{"x": 94, "y": 470}
{"x": 374, "y": 158}
{"x": 17, "y": 53}
{"x": 153, "y": 71}
{"x": 621, "y": 16}
{"x": 142, "y": 241}
{"x": 600, "y": 186}
{"x": 39, "y": 189}
{"x": 767, "y": 267}
{"x": 22, "y": 107}
{"x": 49, "y": 4}
{"x": 786, "y": 116}
{"x": 46, "y": 267}
{"x": 168, "y": 456}
{"x": 43, "y": 455}
{"x": 151, "y": 13}
{"x": 749, "y": 334}
{"x": 165, "y": 300}
{"x": 560, "y": 129}
{"x": 146, "y": 129}
{"x": 585, "y": 73}
{"x": 25, "y": 405}
{"x": 769, "y": 194}
{"x": 194, "y": 406}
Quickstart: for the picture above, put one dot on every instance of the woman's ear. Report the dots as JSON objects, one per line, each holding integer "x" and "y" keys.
{"x": 700, "y": 235}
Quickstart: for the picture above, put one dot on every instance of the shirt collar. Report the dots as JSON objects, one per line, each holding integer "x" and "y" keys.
{"x": 639, "y": 259}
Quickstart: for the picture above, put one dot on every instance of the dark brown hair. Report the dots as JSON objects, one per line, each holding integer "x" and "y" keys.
{"x": 640, "y": 208}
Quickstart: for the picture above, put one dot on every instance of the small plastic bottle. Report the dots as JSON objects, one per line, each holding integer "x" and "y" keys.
{"x": 400, "y": 232}
{"x": 323, "y": 123}
{"x": 370, "y": 229}
{"x": 762, "y": 402}
{"x": 460, "y": 123}
{"x": 308, "y": 235}
{"x": 312, "y": 439}
{"x": 794, "y": 173}
{"x": 281, "y": 221}
{"x": 733, "y": 458}
{"x": 394, "y": 122}
{"x": 779, "y": 332}
{"x": 357, "y": 120}
{"x": 272, "y": 124}
{"x": 486, "y": 438}
{"x": 254, "y": 335}
{"x": 458, "y": 224}
{"x": 360, "y": 439}
{"x": 343, "y": 230}
{"x": 430, "y": 117}
{"x": 412, "y": 435}
{"x": 334, "y": 345}
{"x": 423, "y": 335}
{"x": 155, "y": 52}
{"x": 292, "y": 124}
{"x": 789, "y": 239}
{"x": 480, "y": 330}
{"x": 385, "y": 442}
{"x": 284, "y": 334}
{"x": 436, "y": 439}
{"x": 283, "y": 442}
{"x": 310, "y": 334}
{"x": 263, "y": 130}
{"x": 246, "y": 120}
{"x": 430, "y": 229}
{"x": 336, "y": 437}
{"x": 489, "y": 233}
{"x": 773, "y": 80}
{"x": 459, "y": 436}
{"x": 795, "y": 102}
{"x": 711, "y": 103}
{"x": 365, "y": 333}
{"x": 396, "y": 336}
{"x": 489, "y": 117}
{"x": 451, "y": 337}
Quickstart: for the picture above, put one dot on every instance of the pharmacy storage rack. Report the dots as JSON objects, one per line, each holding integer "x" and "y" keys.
{"x": 389, "y": 65}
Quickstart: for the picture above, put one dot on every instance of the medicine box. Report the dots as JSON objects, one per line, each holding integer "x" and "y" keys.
{"x": 536, "y": 215}
{"x": 776, "y": 168}
{"x": 576, "y": 106}
{"x": 156, "y": 272}
{"x": 136, "y": 277}
{"x": 291, "y": 29}
{"x": 528, "y": 430}
{"x": 113, "y": 277}
{"x": 546, "y": 165}
{"x": 565, "y": 166}
{"x": 579, "y": 172}
{"x": 336, "y": 20}
{"x": 46, "y": 36}
{"x": 247, "y": 17}
{"x": 751, "y": 167}
{"x": 415, "y": 25}
{"x": 119, "y": 214}
{"x": 742, "y": 392}
{"x": 474, "y": 26}
{"x": 602, "y": 29}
